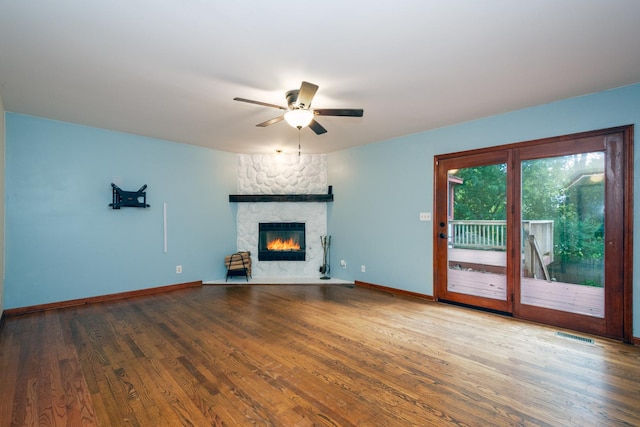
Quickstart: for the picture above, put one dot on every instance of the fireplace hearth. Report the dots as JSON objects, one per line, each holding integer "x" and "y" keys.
{"x": 281, "y": 241}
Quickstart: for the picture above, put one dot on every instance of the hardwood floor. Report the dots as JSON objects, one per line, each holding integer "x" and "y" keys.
{"x": 305, "y": 355}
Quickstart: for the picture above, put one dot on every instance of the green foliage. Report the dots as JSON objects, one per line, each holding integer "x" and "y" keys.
{"x": 542, "y": 189}
{"x": 552, "y": 189}
{"x": 577, "y": 239}
{"x": 483, "y": 193}
{"x": 591, "y": 283}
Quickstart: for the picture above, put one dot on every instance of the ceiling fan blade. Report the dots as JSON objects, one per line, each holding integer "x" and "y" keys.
{"x": 349, "y": 112}
{"x": 264, "y": 104}
{"x": 317, "y": 127}
{"x": 271, "y": 121}
{"x": 306, "y": 94}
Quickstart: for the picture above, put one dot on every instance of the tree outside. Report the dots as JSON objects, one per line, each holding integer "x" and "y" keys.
{"x": 567, "y": 190}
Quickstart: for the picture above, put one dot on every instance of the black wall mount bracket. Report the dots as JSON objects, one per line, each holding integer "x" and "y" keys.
{"x": 129, "y": 199}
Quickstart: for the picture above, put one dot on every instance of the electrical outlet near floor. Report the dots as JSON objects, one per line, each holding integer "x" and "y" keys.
{"x": 363, "y": 268}
{"x": 179, "y": 269}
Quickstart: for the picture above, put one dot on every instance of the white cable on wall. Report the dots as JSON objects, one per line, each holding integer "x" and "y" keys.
{"x": 165, "y": 226}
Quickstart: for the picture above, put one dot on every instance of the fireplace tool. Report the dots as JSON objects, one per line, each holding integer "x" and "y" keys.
{"x": 325, "y": 268}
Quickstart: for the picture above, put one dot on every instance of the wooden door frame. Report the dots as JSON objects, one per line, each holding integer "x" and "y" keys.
{"x": 483, "y": 157}
{"x": 624, "y": 196}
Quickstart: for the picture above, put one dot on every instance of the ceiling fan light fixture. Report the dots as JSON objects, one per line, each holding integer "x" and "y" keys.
{"x": 299, "y": 113}
{"x": 299, "y": 118}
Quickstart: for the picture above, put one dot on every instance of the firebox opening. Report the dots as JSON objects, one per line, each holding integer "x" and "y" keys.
{"x": 281, "y": 241}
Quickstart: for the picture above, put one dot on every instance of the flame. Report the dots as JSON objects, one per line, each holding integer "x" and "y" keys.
{"x": 283, "y": 245}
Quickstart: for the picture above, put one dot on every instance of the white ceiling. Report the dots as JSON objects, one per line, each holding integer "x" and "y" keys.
{"x": 171, "y": 68}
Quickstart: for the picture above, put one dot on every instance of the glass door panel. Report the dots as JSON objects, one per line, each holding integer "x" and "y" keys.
{"x": 562, "y": 243}
{"x": 541, "y": 230}
{"x": 477, "y": 231}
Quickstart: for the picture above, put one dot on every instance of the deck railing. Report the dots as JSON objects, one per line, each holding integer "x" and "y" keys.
{"x": 543, "y": 232}
{"x": 492, "y": 234}
{"x": 478, "y": 234}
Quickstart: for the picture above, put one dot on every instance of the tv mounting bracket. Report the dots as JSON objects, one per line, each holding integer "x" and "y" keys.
{"x": 129, "y": 199}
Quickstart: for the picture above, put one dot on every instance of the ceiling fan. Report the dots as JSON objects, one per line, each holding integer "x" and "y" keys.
{"x": 299, "y": 113}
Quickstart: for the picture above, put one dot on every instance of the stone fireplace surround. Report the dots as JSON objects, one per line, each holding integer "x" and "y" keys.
{"x": 282, "y": 174}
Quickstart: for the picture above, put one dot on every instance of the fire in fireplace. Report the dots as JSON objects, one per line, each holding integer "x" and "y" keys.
{"x": 281, "y": 241}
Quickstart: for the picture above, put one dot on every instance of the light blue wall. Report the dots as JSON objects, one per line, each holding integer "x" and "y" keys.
{"x": 381, "y": 188}
{"x": 64, "y": 242}
{"x": 2, "y": 144}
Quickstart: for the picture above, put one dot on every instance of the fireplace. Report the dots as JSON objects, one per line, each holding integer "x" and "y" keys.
{"x": 281, "y": 241}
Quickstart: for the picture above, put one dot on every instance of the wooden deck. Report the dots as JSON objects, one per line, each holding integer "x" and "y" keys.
{"x": 586, "y": 300}
{"x": 489, "y": 258}
{"x": 487, "y": 285}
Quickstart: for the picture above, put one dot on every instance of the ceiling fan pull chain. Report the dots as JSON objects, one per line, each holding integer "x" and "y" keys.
{"x": 299, "y": 142}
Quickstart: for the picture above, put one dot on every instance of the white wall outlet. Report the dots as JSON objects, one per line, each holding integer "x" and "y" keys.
{"x": 343, "y": 263}
{"x": 179, "y": 269}
{"x": 363, "y": 268}
{"x": 425, "y": 216}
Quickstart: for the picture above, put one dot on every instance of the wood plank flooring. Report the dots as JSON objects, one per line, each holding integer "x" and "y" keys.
{"x": 304, "y": 355}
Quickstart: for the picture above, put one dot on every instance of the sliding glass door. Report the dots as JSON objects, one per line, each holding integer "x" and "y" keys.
{"x": 574, "y": 205}
{"x": 563, "y": 248}
{"x": 538, "y": 229}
